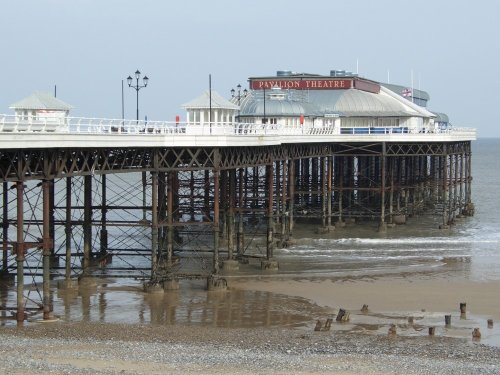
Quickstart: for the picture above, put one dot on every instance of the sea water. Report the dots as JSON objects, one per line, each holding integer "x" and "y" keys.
{"x": 469, "y": 249}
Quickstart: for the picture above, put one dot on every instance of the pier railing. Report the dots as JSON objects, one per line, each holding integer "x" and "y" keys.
{"x": 80, "y": 125}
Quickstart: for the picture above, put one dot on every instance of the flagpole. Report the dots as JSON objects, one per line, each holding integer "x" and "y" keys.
{"x": 210, "y": 101}
{"x": 412, "y": 85}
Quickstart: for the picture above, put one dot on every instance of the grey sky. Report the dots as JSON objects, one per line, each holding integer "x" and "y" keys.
{"x": 86, "y": 47}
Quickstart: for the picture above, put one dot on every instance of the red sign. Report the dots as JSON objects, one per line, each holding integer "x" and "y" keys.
{"x": 301, "y": 84}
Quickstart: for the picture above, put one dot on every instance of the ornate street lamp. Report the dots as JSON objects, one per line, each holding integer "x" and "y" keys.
{"x": 137, "y": 87}
{"x": 237, "y": 94}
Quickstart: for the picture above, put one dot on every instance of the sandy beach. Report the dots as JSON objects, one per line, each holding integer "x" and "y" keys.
{"x": 360, "y": 346}
{"x": 390, "y": 294}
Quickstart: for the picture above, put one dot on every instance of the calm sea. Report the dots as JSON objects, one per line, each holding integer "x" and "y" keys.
{"x": 469, "y": 249}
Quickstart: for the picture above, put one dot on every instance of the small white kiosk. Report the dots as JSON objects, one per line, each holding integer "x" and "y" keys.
{"x": 210, "y": 114}
{"x": 42, "y": 111}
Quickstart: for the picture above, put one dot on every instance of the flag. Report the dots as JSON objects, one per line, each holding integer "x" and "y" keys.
{"x": 407, "y": 92}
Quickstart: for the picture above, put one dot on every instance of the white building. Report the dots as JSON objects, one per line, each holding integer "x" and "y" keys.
{"x": 41, "y": 110}
{"x": 212, "y": 109}
{"x": 342, "y": 100}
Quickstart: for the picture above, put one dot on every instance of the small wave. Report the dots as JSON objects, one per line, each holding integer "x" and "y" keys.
{"x": 335, "y": 251}
{"x": 408, "y": 240}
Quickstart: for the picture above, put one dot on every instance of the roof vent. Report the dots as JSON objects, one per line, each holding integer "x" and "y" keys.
{"x": 342, "y": 73}
{"x": 284, "y": 73}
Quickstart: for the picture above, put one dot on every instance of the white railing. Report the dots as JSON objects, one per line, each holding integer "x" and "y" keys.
{"x": 78, "y": 125}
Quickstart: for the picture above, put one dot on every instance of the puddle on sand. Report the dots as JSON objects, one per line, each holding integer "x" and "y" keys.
{"x": 123, "y": 301}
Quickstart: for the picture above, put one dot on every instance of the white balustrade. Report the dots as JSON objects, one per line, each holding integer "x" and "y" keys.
{"x": 80, "y": 125}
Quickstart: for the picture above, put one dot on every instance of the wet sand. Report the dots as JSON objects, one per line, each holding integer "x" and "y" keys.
{"x": 281, "y": 339}
{"x": 387, "y": 294}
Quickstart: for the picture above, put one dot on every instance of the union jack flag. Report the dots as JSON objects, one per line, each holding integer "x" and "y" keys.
{"x": 406, "y": 92}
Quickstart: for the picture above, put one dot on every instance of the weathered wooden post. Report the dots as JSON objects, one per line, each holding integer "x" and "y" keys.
{"x": 447, "y": 320}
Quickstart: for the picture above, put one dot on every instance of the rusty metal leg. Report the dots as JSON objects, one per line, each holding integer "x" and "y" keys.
{"x": 162, "y": 217}
{"x": 216, "y": 228}
{"x": 87, "y": 225}
{"x": 461, "y": 191}
{"x": 20, "y": 252}
{"x": 68, "y": 229}
{"x": 206, "y": 196}
{"x": 444, "y": 184}
{"x": 270, "y": 219}
{"x": 329, "y": 191}
{"x": 277, "y": 189}
{"x": 382, "y": 225}
{"x": 104, "y": 211}
{"x": 52, "y": 226}
{"x": 230, "y": 216}
{"x": 269, "y": 263}
{"x": 456, "y": 199}
{"x": 239, "y": 235}
{"x": 323, "y": 192}
{"x": 144, "y": 196}
{"x": 170, "y": 219}
{"x": 154, "y": 226}
{"x": 340, "y": 191}
{"x": 223, "y": 205}
{"x": 284, "y": 198}
{"x": 291, "y": 195}
{"x": 5, "y": 228}
{"x": 391, "y": 191}
{"x": 47, "y": 249}
{"x": 230, "y": 264}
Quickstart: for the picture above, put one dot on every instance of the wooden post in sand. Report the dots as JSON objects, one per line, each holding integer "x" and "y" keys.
{"x": 463, "y": 307}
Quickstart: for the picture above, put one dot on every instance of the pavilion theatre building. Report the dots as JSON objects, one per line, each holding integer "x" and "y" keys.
{"x": 342, "y": 100}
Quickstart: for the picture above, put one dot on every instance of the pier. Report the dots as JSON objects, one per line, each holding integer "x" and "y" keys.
{"x": 162, "y": 201}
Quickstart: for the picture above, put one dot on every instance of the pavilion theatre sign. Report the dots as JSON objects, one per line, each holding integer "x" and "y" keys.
{"x": 314, "y": 84}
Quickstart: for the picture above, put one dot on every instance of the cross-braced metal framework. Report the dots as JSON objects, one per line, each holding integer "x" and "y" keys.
{"x": 160, "y": 214}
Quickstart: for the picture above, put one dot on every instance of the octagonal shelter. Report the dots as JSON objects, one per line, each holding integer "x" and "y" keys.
{"x": 42, "y": 110}
{"x": 208, "y": 113}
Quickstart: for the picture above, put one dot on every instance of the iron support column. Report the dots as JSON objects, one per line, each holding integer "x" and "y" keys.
{"x": 144, "y": 196}
{"x": 67, "y": 228}
{"x": 154, "y": 226}
{"x": 46, "y": 248}
{"x": 291, "y": 195}
{"x": 284, "y": 198}
{"x": 230, "y": 214}
{"x": 20, "y": 256}
{"x": 329, "y": 191}
{"x": 5, "y": 228}
{"x": 170, "y": 218}
{"x": 323, "y": 191}
{"x": 270, "y": 223}
{"x": 216, "y": 228}
{"x": 87, "y": 224}
{"x": 382, "y": 225}
{"x": 104, "y": 211}
{"x": 445, "y": 187}
{"x": 240, "y": 240}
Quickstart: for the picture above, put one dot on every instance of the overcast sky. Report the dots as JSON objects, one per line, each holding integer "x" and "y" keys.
{"x": 87, "y": 47}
